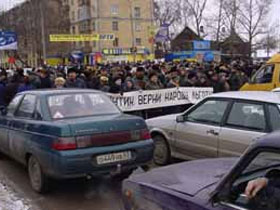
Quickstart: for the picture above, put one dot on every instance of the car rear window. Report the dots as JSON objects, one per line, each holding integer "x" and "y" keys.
{"x": 80, "y": 105}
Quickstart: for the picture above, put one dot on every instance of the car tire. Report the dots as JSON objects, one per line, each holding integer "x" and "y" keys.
{"x": 162, "y": 151}
{"x": 38, "y": 180}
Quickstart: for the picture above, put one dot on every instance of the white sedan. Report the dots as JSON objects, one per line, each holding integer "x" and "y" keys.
{"x": 220, "y": 125}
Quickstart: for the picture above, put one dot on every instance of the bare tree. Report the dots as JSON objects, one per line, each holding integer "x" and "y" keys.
{"x": 167, "y": 12}
{"x": 253, "y": 14}
{"x": 269, "y": 40}
{"x": 231, "y": 8}
{"x": 196, "y": 10}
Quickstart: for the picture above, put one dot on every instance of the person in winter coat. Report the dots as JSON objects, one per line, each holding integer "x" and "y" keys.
{"x": 103, "y": 85}
{"x": 45, "y": 81}
{"x": 128, "y": 86}
{"x": 11, "y": 88}
{"x": 116, "y": 85}
{"x": 59, "y": 82}
{"x": 72, "y": 80}
{"x": 154, "y": 83}
{"x": 2, "y": 89}
{"x": 26, "y": 85}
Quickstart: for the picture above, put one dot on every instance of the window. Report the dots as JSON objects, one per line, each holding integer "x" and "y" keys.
{"x": 80, "y": 105}
{"x": 73, "y": 29}
{"x": 137, "y": 12}
{"x": 38, "y": 115}
{"x": 246, "y": 115}
{"x": 27, "y": 107}
{"x": 265, "y": 163}
{"x": 274, "y": 116}
{"x": 73, "y": 16}
{"x": 13, "y": 105}
{"x": 72, "y": 2}
{"x": 137, "y": 26}
{"x": 94, "y": 44}
{"x": 116, "y": 42}
{"x": 211, "y": 111}
{"x": 115, "y": 26}
{"x": 138, "y": 41}
{"x": 93, "y": 26}
{"x": 264, "y": 75}
{"x": 114, "y": 9}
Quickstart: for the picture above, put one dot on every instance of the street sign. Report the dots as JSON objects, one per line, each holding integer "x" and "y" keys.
{"x": 8, "y": 40}
{"x": 81, "y": 37}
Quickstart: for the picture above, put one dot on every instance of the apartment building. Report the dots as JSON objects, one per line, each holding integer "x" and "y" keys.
{"x": 130, "y": 21}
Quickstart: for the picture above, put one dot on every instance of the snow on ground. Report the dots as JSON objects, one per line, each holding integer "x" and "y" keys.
{"x": 9, "y": 200}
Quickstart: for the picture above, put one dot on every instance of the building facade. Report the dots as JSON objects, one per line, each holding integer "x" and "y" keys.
{"x": 130, "y": 21}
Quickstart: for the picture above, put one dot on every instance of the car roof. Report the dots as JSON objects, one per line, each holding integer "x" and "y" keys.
{"x": 262, "y": 96}
{"x": 270, "y": 140}
{"x": 60, "y": 91}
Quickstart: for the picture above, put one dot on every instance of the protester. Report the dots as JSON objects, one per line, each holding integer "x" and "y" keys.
{"x": 153, "y": 83}
{"x": 72, "y": 80}
{"x": 45, "y": 81}
{"x": 2, "y": 88}
{"x": 126, "y": 77}
{"x": 104, "y": 85}
{"x": 140, "y": 79}
{"x": 59, "y": 82}
{"x": 128, "y": 85}
{"x": 25, "y": 85}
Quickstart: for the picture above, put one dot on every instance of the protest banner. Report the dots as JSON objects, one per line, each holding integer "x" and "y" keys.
{"x": 150, "y": 99}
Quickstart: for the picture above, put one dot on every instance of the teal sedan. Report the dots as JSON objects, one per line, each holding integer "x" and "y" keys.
{"x": 72, "y": 133}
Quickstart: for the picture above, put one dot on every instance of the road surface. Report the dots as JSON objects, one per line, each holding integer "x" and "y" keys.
{"x": 99, "y": 194}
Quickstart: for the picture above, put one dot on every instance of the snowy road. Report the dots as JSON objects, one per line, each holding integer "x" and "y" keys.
{"x": 10, "y": 200}
{"x": 101, "y": 194}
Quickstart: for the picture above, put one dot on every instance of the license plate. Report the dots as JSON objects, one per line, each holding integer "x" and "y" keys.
{"x": 113, "y": 157}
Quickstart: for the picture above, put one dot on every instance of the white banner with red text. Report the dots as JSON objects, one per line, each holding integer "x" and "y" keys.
{"x": 150, "y": 99}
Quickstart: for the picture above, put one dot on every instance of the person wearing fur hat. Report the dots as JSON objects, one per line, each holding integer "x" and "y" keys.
{"x": 103, "y": 84}
{"x": 153, "y": 83}
{"x": 116, "y": 85}
{"x": 59, "y": 82}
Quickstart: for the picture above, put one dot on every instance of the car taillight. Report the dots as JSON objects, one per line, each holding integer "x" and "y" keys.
{"x": 61, "y": 144}
{"x": 145, "y": 134}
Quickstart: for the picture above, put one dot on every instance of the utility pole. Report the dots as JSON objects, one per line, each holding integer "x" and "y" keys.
{"x": 97, "y": 22}
{"x": 152, "y": 24}
{"x": 43, "y": 31}
{"x": 132, "y": 29}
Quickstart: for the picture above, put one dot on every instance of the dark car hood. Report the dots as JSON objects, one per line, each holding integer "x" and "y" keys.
{"x": 189, "y": 177}
{"x": 104, "y": 124}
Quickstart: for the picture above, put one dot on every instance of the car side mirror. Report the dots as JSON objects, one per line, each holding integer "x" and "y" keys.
{"x": 180, "y": 119}
{"x": 4, "y": 111}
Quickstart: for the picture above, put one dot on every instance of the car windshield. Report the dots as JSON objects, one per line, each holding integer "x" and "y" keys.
{"x": 263, "y": 161}
{"x": 80, "y": 105}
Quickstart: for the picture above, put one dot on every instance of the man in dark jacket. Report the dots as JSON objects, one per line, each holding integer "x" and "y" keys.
{"x": 45, "y": 81}
{"x": 2, "y": 89}
{"x": 11, "y": 88}
{"x": 73, "y": 81}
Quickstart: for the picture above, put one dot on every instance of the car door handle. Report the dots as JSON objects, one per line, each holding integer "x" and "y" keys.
{"x": 212, "y": 132}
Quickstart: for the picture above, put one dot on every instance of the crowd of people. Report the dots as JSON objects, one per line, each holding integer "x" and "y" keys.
{"x": 125, "y": 77}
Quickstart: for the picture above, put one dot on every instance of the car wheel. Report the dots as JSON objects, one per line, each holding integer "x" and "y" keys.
{"x": 38, "y": 180}
{"x": 162, "y": 151}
